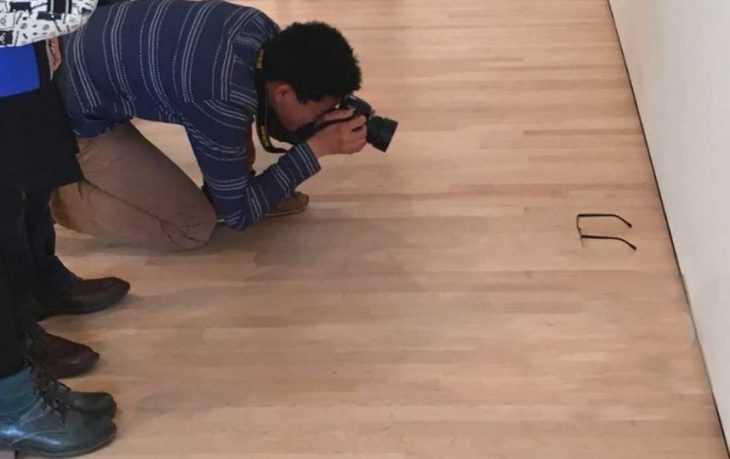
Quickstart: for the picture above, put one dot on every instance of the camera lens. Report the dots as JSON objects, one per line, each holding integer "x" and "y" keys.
{"x": 380, "y": 132}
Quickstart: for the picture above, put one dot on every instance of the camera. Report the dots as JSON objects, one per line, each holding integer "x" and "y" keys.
{"x": 380, "y": 130}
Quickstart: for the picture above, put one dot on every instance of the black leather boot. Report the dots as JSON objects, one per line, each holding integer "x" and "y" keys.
{"x": 41, "y": 425}
{"x": 100, "y": 403}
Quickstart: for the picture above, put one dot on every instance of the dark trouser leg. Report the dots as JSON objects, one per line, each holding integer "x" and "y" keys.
{"x": 58, "y": 356}
{"x": 15, "y": 250}
{"x": 11, "y": 331}
{"x": 52, "y": 278}
{"x": 11, "y": 350}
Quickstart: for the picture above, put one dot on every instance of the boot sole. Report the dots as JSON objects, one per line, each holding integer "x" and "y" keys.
{"x": 71, "y": 453}
{"x": 43, "y": 314}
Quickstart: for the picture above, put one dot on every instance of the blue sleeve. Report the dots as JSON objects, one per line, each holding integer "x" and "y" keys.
{"x": 219, "y": 142}
{"x": 18, "y": 70}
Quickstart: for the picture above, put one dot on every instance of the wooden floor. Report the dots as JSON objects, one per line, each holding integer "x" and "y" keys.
{"x": 434, "y": 302}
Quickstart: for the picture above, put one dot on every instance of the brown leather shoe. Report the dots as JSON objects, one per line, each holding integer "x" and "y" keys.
{"x": 58, "y": 357}
{"x": 88, "y": 295}
{"x": 294, "y": 204}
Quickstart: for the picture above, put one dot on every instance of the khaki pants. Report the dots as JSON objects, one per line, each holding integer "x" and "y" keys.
{"x": 133, "y": 192}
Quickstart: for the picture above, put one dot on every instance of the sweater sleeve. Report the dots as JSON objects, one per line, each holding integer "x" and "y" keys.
{"x": 219, "y": 139}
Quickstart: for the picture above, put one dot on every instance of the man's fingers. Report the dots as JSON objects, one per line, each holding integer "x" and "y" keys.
{"x": 338, "y": 115}
{"x": 355, "y": 145}
{"x": 356, "y": 123}
{"x": 354, "y": 138}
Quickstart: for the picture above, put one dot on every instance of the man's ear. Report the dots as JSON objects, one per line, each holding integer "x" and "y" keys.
{"x": 282, "y": 92}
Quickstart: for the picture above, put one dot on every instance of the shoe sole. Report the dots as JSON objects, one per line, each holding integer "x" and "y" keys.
{"x": 45, "y": 314}
{"x": 78, "y": 452}
{"x": 77, "y": 369}
{"x": 221, "y": 223}
{"x": 285, "y": 213}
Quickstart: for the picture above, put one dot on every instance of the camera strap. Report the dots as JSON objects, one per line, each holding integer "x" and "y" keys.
{"x": 262, "y": 111}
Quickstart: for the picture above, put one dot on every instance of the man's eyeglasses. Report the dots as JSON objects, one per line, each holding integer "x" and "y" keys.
{"x": 602, "y": 237}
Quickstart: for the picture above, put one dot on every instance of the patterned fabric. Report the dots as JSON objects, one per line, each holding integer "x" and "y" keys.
{"x": 23, "y": 22}
{"x": 192, "y": 64}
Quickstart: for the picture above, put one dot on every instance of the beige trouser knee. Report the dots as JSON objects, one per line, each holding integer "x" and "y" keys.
{"x": 133, "y": 192}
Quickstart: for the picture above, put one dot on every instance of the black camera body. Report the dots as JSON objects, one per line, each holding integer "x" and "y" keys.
{"x": 380, "y": 130}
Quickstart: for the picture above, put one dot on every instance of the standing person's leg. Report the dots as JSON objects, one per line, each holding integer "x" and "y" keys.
{"x": 135, "y": 193}
{"x": 59, "y": 356}
{"x": 51, "y": 276}
{"x": 38, "y": 415}
{"x": 11, "y": 349}
{"x": 57, "y": 289}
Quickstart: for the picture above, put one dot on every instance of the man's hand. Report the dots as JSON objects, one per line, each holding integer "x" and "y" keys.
{"x": 343, "y": 138}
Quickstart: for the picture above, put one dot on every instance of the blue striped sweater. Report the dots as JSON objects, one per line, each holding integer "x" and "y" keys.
{"x": 192, "y": 64}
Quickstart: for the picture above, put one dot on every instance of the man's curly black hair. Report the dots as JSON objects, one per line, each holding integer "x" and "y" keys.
{"x": 315, "y": 59}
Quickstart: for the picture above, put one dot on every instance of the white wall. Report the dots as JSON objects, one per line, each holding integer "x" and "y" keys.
{"x": 678, "y": 54}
